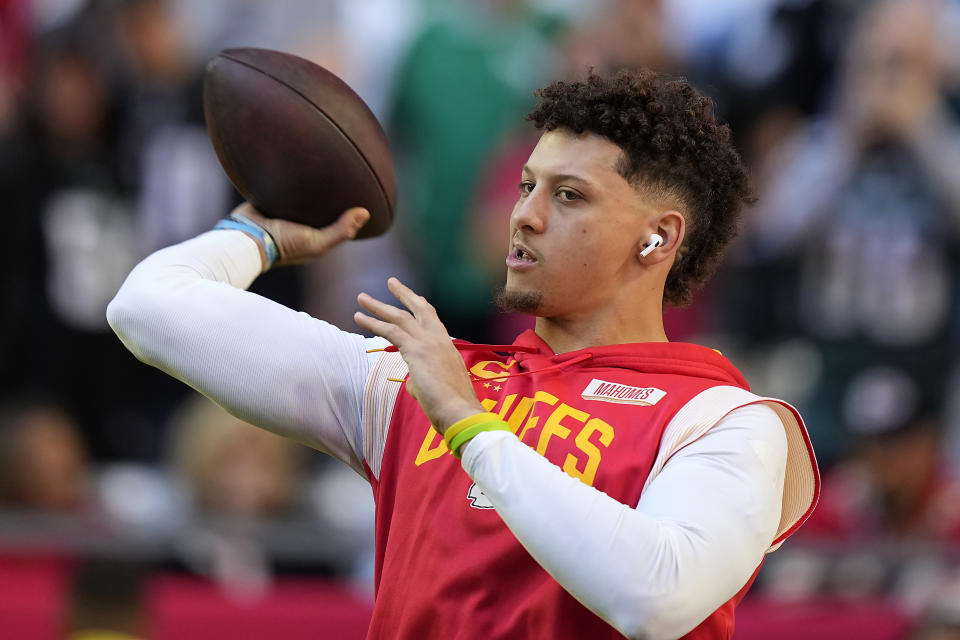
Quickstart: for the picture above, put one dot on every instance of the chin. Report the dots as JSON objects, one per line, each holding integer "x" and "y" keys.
{"x": 512, "y": 300}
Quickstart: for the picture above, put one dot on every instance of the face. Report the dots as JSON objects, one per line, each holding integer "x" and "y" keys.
{"x": 53, "y": 461}
{"x": 904, "y": 463}
{"x": 251, "y": 474}
{"x": 575, "y": 229}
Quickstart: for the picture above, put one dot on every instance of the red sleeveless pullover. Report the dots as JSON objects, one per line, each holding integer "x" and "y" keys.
{"x": 446, "y": 567}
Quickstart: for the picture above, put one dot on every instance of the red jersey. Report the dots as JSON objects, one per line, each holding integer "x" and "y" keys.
{"x": 447, "y": 566}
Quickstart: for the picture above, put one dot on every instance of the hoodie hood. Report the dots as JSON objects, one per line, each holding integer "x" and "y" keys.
{"x": 678, "y": 358}
{"x": 533, "y": 355}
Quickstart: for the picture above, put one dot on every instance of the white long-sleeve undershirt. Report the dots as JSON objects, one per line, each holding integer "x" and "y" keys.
{"x": 656, "y": 569}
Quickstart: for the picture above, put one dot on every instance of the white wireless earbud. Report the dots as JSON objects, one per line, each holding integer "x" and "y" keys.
{"x": 655, "y": 241}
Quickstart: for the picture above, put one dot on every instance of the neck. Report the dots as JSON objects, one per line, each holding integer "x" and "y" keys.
{"x": 579, "y": 331}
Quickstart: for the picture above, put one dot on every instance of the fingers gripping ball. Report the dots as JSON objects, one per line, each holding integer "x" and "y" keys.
{"x": 296, "y": 141}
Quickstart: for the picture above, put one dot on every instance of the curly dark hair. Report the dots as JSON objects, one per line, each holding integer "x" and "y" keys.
{"x": 674, "y": 150}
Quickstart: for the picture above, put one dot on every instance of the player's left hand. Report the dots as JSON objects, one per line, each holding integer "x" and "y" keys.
{"x": 438, "y": 378}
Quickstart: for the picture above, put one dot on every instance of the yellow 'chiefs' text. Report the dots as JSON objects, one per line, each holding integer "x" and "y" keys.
{"x": 560, "y": 422}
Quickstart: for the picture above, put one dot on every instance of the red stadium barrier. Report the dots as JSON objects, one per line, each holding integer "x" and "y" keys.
{"x": 186, "y": 608}
{"x": 35, "y": 592}
{"x": 761, "y": 618}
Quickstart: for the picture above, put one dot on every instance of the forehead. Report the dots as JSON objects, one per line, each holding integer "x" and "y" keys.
{"x": 586, "y": 155}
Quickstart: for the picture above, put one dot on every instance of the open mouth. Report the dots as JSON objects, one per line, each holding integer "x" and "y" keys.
{"x": 523, "y": 256}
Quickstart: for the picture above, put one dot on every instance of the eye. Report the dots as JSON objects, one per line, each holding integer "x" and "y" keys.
{"x": 525, "y": 187}
{"x": 567, "y": 195}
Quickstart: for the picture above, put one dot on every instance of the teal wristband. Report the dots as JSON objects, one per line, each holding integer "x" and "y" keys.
{"x": 461, "y": 438}
{"x": 264, "y": 239}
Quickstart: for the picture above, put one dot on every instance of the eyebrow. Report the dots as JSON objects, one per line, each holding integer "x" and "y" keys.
{"x": 561, "y": 177}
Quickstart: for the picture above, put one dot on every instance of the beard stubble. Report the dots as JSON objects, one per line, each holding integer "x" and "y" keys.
{"x": 517, "y": 301}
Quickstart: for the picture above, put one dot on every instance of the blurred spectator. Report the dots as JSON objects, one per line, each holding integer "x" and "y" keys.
{"x": 621, "y": 33}
{"x": 166, "y": 157}
{"x": 43, "y": 460}
{"x": 769, "y": 57}
{"x": 308, "y": 28}
{"x": 897, "y": 484}
{"x": 941, "y": 621}
{"x": 76, "y": 241}
{"x": 76, "y": 186}
{"x": 230, "y": 468}
{"x": 168, "y": 167}
{"x": 236, "y": 476}
{"x": 887, "y": 528}
{"x": 859, "y": 219}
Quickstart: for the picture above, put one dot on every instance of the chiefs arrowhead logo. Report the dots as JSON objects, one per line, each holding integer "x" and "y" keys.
{"x": 477, "y": 498}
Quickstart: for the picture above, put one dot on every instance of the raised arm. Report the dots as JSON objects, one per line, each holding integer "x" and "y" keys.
{"x": 185, "y": 310}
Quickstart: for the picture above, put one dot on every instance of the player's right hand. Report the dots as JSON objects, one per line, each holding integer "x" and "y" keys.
{"x": 298, "y": 242}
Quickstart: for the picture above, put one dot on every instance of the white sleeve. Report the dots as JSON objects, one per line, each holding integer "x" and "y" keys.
{"x": 184, "y": 310}
{"x": 699, "y": 532}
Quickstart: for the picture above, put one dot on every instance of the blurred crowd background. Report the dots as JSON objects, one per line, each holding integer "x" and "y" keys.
{"x": 129, "y": 502}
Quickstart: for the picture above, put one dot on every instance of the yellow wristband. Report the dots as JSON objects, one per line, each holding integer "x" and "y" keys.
{"x": 462, "y": 430}
{"x": 461, "y": 438}
{"x": 469, "y": 421}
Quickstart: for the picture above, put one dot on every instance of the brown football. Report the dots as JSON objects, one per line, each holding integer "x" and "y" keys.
{"x": 296, "y": 141}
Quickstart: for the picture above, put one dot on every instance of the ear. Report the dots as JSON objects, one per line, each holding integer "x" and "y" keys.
{"x": 670, "y": 226}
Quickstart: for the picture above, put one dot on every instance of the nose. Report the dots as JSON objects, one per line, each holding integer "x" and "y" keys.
{"x": 530, "y": 213}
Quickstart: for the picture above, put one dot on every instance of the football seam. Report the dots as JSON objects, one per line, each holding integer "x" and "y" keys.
{"x": 366, "y": 161}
